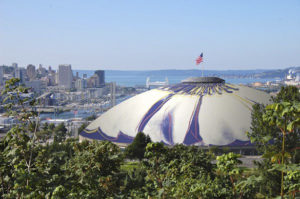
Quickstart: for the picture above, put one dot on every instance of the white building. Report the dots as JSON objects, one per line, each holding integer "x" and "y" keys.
{"x": 65, "y": 76}
{"x": 202, "y": 111}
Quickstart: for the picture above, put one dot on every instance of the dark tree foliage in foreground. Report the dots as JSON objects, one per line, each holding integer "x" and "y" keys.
{"x": 137, "y": 148}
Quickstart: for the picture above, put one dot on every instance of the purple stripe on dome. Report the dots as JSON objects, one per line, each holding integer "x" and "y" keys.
{"x": 227, "y": 90}
{"x": 167, "y": 127}
{"x": 156, "y": 107}
{"x": 100, "y": 135}
{"x": 193, "y": 133}
{"x": 230, "y": 87}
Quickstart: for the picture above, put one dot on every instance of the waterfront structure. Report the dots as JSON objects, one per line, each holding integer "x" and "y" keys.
{"x": 293, "y": 77}
{"x": 65, "y": 76}
{"x": 156, "y": 83}
{"x": 31, "y": 73}
{"x": 202, "y": 111}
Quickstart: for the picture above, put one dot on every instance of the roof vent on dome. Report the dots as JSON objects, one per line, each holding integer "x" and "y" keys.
{"x": 203, "y": 80}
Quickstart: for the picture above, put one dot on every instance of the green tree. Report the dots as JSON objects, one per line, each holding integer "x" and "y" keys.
{"x": 286, "y": 117}
{"x": 60, "y": 132}
{"x": 93, "y": 172}
{"x": 17, "y": 174}
{"x": 82, "y": 127}
{"x": 267, "y": 133}
{"x": 136, "y": 149}
{"x": 91, "y": 118}
{"x": 287, "y": 94}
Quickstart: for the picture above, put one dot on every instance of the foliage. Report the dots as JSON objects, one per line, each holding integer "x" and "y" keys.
{"x": 93, "y": 171}
{"x": 275, "y": 131}
{"x": 82, "y": 127}
{"x": 287, "y": 94}
{"x": 137, "y": 148}
{"x": 91, "y": 118}
{"x": 60, "y": 132}
{"x": 285, "y": 116}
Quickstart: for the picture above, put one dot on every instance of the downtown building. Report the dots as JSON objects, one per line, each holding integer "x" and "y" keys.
{"x": 31, "y": 72}
{"x": 65, "y": 76}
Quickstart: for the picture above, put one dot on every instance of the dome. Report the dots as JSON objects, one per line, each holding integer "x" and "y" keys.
{"x": 203, "y": 111}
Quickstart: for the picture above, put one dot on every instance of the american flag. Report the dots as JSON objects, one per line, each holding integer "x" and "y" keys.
{"x": 199, "y": 59}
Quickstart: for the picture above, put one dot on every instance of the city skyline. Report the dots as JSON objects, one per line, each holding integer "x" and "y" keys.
{"x": 154, "y": 35}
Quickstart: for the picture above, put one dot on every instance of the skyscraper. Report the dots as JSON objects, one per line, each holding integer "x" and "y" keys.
{"x": 65, "y": 76}
{"x": 31, "y": 73}
{"x": 80, "y": 84}
{"x": 21, "y": 74}
{"x": 15, "y": 67}
{"x": 101, "y": 78}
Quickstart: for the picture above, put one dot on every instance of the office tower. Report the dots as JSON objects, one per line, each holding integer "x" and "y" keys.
{"x": 41, "y": 70}
{"x": 65, "y": 76}
{"x": 80, "y": 84}
{"x": 101, "y": 78}
{"x": 93, "y": 81}
{"x": 21, "y": 74}
{"x": 15, "y": 67}
{"x": 31, "y": 73}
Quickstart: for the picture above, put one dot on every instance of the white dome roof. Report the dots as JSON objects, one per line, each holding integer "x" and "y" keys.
{"x": 198, "y": 111}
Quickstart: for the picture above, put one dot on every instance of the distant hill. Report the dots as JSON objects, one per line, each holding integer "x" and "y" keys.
{"x": 281, "y": 73}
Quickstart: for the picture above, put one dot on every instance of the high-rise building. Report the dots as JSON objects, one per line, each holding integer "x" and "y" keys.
{"x": 1, "y": 75}
{"x": 15, "y": 67}
{"x": 80, "y": 84}
{"x": 31, "y": 73}
{"x": 93, "y": 81}
{"x": 101, "y": 78}
{"x": 41, "y": 70}
{"x": 21, "y": 74}
{"x": 65, "y": 76}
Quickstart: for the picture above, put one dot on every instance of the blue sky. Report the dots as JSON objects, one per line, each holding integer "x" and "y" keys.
{"x": 149, "y": 35}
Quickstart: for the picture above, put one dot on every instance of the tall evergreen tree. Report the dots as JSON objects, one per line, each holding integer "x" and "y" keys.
{"x": 137, "y": 148}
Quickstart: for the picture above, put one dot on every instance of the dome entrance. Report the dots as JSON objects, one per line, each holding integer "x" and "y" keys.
{"x": 202, "y": 80}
